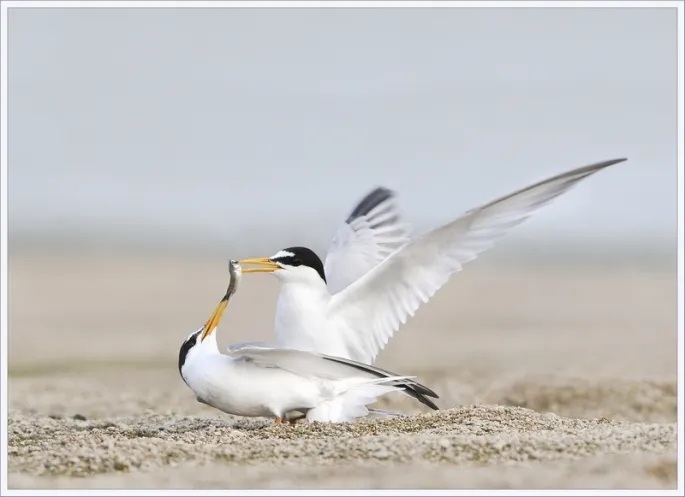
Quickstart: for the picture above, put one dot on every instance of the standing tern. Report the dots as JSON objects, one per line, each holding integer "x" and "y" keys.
{"x": 353, "y": 304}
{"x": 255, "y": 379}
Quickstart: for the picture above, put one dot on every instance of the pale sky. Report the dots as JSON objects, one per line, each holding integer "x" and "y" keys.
{"x": 267, "y": 125}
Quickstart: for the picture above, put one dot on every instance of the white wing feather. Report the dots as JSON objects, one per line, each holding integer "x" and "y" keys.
{"x": 371, "y": 233}
{"x": 371, "y": 309}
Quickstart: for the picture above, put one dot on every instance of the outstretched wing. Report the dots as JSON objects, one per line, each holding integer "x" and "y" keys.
{"x": 370, "y": 234}
{"x": 311, "y": 364}
{"x": 372, "y": 308}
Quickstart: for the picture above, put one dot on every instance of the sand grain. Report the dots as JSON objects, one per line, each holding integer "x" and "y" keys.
{"x": 547, "y": 379}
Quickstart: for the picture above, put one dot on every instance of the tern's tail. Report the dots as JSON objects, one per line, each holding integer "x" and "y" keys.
{"x": 351, "y": 403}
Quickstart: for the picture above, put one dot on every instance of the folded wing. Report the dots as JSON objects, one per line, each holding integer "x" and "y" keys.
{"x": 310, "y": 364}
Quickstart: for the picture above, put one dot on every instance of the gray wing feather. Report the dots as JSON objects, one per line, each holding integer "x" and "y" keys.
{"x": 372, "y": 231}
{"x": 311, "y": 364}
{"x": 373, "y": 307}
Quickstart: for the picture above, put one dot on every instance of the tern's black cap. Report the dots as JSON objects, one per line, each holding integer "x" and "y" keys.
{"x": 300, "y": 256}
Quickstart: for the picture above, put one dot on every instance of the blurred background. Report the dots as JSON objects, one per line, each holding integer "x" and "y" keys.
{"x": 236, "y": 131}
{"x": 149, "y": 146}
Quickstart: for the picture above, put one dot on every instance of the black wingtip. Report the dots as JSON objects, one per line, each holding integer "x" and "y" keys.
{"x": 422, "y": 398}
{"x": 411, "y": 387}
{"x": 611, "y": 162}
{"x": 421, "y": 393}
{"x": 423, "y": 390}
{"x": 372, "y": 199}
{"x": 585, "y": 171}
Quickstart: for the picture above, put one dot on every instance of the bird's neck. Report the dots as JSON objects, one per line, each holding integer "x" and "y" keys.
{"x": 299, "y": 306}
{"x": 209, "y": 345}
{"x": 314, "y": 290}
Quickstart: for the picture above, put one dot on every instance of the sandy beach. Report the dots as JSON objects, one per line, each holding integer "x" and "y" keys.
{"x": 562, "y": 376}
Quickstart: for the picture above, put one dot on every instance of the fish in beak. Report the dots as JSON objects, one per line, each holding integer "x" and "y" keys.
{"x": 235, "y": 271}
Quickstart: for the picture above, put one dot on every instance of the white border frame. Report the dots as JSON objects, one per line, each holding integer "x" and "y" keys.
{"x": 327, "y": 4}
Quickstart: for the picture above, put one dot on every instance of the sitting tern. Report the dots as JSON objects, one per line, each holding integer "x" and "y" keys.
{"x": 255, "y": 379}
{"x": 375, "y": 277}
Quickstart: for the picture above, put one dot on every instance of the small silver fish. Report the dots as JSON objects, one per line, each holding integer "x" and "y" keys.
{"x": 236, "y": 272}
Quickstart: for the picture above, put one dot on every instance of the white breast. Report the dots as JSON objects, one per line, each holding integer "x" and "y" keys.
{"x": 239, "y": 387}
{"x": 302, "y": 323}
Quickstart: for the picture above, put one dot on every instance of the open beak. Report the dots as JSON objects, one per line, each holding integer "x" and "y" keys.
{"x": 213, "y": 321}
{"x": 266, "y": 265}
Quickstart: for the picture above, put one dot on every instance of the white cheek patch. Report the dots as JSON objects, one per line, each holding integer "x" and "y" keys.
{"x": 282, "y": 254}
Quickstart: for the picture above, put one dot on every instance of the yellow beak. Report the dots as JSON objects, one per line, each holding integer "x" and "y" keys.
{"x": 213, "y": 321}
{"x": 267, "y": 265}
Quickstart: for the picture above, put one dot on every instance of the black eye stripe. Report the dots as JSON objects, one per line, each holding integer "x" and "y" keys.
{"x": 288, "y": 260}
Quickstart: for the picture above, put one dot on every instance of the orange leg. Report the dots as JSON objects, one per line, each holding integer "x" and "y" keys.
{"x": 283, "y": 421}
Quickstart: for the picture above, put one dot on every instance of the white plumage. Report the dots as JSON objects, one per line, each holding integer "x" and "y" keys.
{"x": 378, "y": 277}
{"x": 255, "y": 379}
{"x": 268, "y": 382}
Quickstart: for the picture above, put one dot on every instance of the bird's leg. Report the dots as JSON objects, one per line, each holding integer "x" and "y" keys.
{"x": 283, "y": 421}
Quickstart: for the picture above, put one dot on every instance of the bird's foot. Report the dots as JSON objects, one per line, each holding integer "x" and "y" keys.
{"x": 282, "y": 421}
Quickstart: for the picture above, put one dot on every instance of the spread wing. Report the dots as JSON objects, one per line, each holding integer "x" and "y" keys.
{"x": 370, "y": 234}
{"x": 371, "y": 309}
{"x": 313, "y": 365}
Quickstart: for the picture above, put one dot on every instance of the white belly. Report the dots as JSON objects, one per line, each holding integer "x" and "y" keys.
{"x": 243, "y": 389}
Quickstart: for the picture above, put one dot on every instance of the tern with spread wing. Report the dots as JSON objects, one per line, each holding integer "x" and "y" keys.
{"x": 255, "y": 379}
{"x": 375, "y": 276}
